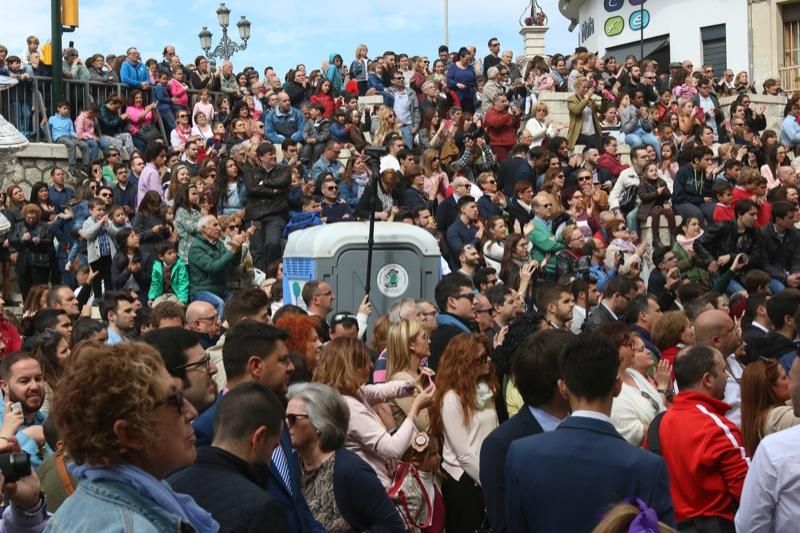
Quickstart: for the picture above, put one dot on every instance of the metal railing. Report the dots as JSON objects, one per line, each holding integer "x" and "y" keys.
{"x": 790, "y": 77}
{"x": 29, "y": 104}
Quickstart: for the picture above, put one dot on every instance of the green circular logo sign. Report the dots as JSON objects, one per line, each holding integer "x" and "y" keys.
{"x": 614, "y": 26}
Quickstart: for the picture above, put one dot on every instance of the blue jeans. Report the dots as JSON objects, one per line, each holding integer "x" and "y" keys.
{"x": 94, "y": 149}
{"x": 21, "y": 117}
{"x": 638, "y": 137}
{"x": 213, "y": 299}
{"x": 405, "y": 131}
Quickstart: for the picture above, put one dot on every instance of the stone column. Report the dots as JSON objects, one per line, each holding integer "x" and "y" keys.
{"x": 533, "y": 41}
{"x": 11, "y": 142}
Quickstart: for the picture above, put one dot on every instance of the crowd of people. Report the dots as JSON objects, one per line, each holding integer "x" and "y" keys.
{"x": 581, "y": 367}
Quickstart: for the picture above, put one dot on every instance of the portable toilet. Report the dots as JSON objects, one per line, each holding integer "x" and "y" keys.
{"x": 405, "y": 264}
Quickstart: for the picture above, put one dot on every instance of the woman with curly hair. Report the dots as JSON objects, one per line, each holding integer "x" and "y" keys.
{"x": 387, "y": 124}
{"x": 346, "y": 366}
{"x": 304, "y": 344}
{"x": 127, "y": 427}
{"x": 765, "y": 391}
{"x": 462, "y": 415}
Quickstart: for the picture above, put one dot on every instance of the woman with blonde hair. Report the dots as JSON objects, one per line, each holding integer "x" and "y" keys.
{"x": 436, "y": 179}
{"x": 765, "y": 391}
{"x": 346, "y": 366}
{"x": 387, "y": 123}
{"x": 541, "y": 126}
{"x": 462, "y": 416}
{"x": 407, "y": 345}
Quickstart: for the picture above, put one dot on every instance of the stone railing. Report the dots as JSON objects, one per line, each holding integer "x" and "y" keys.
{"x": 33, "y": 164}
{"x": 774, "y": 108}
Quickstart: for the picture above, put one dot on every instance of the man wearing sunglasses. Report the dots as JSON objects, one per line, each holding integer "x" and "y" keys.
{"x": 542, "y": 238}
{"x": 455, "y": 298}
{"x": 334, "y": 209}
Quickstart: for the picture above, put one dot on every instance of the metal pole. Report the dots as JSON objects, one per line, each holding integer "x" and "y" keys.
{"x": 446, "y": 37}
{"x": 641, "y": 32}
{"x": 55, "y": 41}
{"x": 375, "y": 167}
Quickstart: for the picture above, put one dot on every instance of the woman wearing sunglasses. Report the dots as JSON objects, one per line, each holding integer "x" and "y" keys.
{"x": 462, "y": 415}
{"x": 127, "y": 427}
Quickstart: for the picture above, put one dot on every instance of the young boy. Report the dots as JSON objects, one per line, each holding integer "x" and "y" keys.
{"x": 724, "y": 195}
{"x": 21, "y": 95}
{"x": 316, "y": 133}
{"x": 62, "y": 130}
{"x": 169, "y": 280}
{"x": 100, "y": 245}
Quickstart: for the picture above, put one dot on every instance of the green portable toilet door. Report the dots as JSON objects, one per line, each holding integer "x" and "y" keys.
{"x": 395, "y": 274}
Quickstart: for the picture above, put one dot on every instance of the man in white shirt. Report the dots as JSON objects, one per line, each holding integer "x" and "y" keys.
{"x": 771, "y": 494}
{"x": 586, "y": 296}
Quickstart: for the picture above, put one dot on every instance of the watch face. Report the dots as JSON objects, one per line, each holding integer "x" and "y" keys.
{"x": 614, "y": 26}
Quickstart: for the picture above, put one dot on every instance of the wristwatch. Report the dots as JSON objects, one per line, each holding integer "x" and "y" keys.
{"x": 40, "y": 506}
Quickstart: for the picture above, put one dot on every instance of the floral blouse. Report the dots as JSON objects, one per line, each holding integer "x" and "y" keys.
{"x": 317, "y": 489}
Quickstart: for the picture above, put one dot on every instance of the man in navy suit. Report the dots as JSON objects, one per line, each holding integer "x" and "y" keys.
{"x": 565, "y": 480}
{"x": 255, "y": 351}
{"x": 535, "y": 374}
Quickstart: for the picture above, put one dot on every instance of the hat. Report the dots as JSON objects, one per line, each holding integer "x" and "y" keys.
{"x": 675, "y": 64}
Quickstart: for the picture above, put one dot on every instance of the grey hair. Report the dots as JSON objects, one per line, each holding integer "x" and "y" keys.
{"x": 204, "y": 221}
{"x": 396, "y": 310}
{"x": 327, "y": 412}
{"x": 426, "y": 85}
{"x": 492, "y": 72}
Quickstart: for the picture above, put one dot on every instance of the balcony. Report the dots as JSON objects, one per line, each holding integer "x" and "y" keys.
{"x": 790, "y": 78}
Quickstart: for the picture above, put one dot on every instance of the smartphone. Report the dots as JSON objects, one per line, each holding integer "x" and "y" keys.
{"x": 16, "y": 407}
{"x": 426, "y": 381}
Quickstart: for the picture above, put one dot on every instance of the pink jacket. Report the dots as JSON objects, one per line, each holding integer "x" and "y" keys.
{"x": 366, "y": 434}
{"x": 84, "y": 127}
{"x": 139, "y": 118}
{"x": 177, "y": 90}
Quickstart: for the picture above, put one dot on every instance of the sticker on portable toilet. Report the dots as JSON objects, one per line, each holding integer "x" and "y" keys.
{"x": 392, "y": 280}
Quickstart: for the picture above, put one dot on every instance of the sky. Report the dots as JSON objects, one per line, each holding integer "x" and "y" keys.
{"x": 283, "y": 38}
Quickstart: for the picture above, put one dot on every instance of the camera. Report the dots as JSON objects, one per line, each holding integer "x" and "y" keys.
{"x": 15, "y": 466}
{"x": 744, "y": 259}
{"x": 375, "y": 151}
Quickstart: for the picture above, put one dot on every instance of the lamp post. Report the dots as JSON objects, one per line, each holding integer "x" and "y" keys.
{"x": 226, "y": 47}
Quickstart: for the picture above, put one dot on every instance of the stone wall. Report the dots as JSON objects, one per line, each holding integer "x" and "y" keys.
{"x": 33, "y": 164}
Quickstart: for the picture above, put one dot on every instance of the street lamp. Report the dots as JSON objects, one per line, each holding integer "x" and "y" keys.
{"x": 226, "y": 47}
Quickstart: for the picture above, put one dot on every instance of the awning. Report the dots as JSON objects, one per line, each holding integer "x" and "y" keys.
{"x": 651, "y": 46}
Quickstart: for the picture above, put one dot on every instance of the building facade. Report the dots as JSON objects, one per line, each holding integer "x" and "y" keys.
{"x": 716, "y": 32}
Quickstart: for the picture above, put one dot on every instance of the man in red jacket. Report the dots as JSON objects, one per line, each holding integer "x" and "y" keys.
{"x": 501, "y": 123}
{"x": 705, "y": 456}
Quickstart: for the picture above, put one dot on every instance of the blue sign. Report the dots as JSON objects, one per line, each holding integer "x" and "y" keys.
{"x": 613, "y": 5}
{"x": 639, "y": 20}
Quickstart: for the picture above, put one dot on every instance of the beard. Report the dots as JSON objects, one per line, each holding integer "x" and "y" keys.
{"x": 30, "y": 404}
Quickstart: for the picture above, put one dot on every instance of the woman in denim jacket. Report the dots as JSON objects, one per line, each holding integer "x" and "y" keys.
{"x": 127, "y": 427}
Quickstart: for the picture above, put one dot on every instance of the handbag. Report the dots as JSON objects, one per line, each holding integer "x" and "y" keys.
{"x": 410, "y": 497}
{"x": 5, "y": 225}
{"x": 149, "y": 133}
{"x": 627, "y": 199}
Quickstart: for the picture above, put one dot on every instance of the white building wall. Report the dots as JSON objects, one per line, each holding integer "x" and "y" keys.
{"x": 680, "y": 19}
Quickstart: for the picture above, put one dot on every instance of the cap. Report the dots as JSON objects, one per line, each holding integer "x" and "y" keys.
{"x": 675, "y": 64}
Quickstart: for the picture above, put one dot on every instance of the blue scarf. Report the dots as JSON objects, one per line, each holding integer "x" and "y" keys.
{"x": 157, "y": 491}
{"x": 447, "y": 320}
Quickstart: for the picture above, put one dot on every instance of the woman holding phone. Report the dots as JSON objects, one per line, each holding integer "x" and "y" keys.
{"x": 407, "y": 344}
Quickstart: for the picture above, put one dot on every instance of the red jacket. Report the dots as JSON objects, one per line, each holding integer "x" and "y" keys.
{"x": 327, "y": 101}
{"x": 764, "y": 210}
{"x": 723, "y": 213}
{"x": 611, "y": 163}
{"x": 501, "y": 127}
{"x": 705, "y": 457}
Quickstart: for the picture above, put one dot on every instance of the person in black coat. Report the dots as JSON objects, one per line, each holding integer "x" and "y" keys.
{"x": 223, "y": 479}
{"x": 388, "y": 199}
{"x": 719, "y": 245}
{"x": 780, "y": 245}
{"x": 454, "y": 299}
{"x": 130, "y": 268}
{"x": 31, "y": 240}
{"x": 535, "y": 373}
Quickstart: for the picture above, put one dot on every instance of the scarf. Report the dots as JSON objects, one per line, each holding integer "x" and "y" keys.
{"x": 687, "y": 243}
{"x": 483, "y": 395}
{"x": 157, "y": 491}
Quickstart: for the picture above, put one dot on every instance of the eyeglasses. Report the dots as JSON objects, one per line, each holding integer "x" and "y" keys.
{"x": 584, "y": 178}
{"x": 495, "y": 44}
{"x": 545, "y": 206}
{"x": 183, "y": 116}
{"x": 469, "y": 296}
{"x": 173, "y": 400}
{"x": 291, "y": 419}
{"x": 105, "y": 195}
{"x": 113, "y": 154}
{"x": 332, "y": 188}
{"x": 204, "y": 362}
{"x": 491, "y": 182}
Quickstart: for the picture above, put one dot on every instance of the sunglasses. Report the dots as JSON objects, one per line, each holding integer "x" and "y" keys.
{"x": 492, "y": 182}
{"x": 173, "y": 400}
{"x": 291, "y": 419}
{"x": 469, "y": 296}
{"x": 333, "y": 188}
{"x": 584, "y": 178}
{"x": 622, "y": 228}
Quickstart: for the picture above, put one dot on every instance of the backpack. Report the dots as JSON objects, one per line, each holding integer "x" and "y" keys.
{"x": 653, "y": 440}
{"x": 628, "y": 197}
